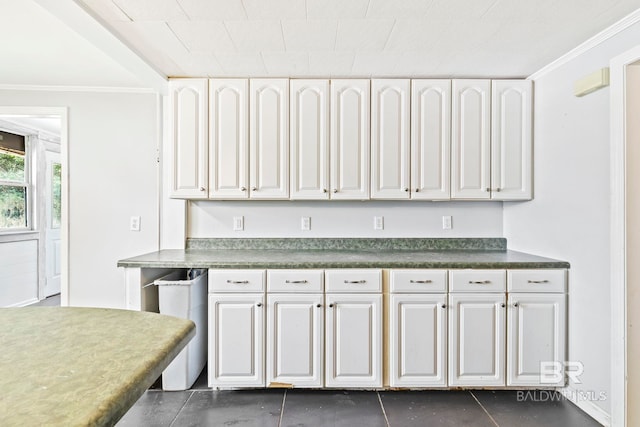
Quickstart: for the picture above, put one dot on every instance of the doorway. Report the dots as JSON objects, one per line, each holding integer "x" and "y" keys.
{"x": 45, "y": 238}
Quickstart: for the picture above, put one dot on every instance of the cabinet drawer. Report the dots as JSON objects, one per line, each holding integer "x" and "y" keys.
{"x": 418, "y": 281}
{"x": 477, "y": 280}
{"x": 237, "y": 281}
{"x": 537, "y": 280}
{"x": 295, "y": 281}
{"x": 353, "y": 280}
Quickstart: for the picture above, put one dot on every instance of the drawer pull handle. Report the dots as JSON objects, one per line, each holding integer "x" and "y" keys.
{"x": 537, "y": 281}
{"x": 420, "y": 281}
{"x": 295, "y": 281}
{"x": 238, "y": 282}
{"x": 355, "y": 281}
{"x": 479, "y": 282}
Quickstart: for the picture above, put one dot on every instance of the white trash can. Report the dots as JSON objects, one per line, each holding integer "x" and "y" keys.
{"x": 184, "y": 294}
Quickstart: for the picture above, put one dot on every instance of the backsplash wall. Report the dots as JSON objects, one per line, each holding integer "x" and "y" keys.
{"x": 208, "y": 219}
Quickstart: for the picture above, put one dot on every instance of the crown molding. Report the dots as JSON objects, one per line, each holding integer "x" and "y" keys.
{"x": 589, "y": 44}
{"x": 62, "y": 88}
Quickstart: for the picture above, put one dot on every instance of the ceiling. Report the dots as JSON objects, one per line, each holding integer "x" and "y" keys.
{"x": 138, "y": 43}
{"x": 296, "y": 38}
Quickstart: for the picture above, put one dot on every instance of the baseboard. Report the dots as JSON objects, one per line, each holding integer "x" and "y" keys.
{"x": 587, "y": 406}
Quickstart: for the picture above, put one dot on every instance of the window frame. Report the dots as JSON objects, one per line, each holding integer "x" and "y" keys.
{"x": 27, "y": 184}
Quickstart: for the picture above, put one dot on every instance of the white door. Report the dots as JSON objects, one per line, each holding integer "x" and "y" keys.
{"x": 269, "y": 138}
{"x": 53, "y": 201}
{"x": 236, "y": 340}
{"x": 353, "y": 355}
{"x": 228, "y": 138}
{"x": 309, "y": 139}
{"x": 430, "y": 139}
{"x": 417, "y": 336}
{"x": 471, "y": 139}
{"x": 536, "y": 335}
{"x": 477, "y": 339}
{"x": 350, "y": 127}
{"x": 295, "y": 336}
{"x": 390, "y": 138}
{"x": 511, "y": 135}
{"x": 188, "y": 99}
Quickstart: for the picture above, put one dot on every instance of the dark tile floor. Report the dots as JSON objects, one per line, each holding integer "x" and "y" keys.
{"x": 200, "y": 406}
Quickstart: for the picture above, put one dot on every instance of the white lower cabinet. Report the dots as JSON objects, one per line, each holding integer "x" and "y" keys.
{"x": 236, "y": 340}
{"x": 295, "y": 328}
{"x": 353, "y": 355}
{"x": 353, "y": 323}
{"x": 477, "y": 331}
{"x": 236, "y": 328}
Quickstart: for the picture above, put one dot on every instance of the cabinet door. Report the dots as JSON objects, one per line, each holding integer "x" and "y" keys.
{"x": 511, "y": 134}
{"x": 236, "y": 340}
{"x": 390, "y": 141}
{"x": 269, "y": 138}
{"x": 350, "y": 114}
{"x": 417, "y": 336}
{"x": 188, "y": 134}
{"x": 295, "y": 335}
{"x": 309, "y": 139}
{"x": 353, "y": 355}
{"x": 536, "y": 336}
{"x": 476, "y": 339}
{"x": 470, "y": 135}
{"x": 430, "y": 139}
{"x": 228, "y": 138}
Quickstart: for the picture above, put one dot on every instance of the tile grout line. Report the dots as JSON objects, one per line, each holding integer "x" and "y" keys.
{"x": 181, "y": 408}
{"x": 284, "y": 398}
{"x": 484, "y": 409}
{"x": 384, "y": 413}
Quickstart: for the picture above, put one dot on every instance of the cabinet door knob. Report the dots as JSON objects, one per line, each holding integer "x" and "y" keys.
{"x": 324, "y": 190}
{"x": 243, "y": 188}
{"x": 406, "y": 190}
{"x": 335, "y": 190}
{"x": 201, "y": 188}
{"x": 503, "y": 305}
{"x": 515, "y": 304}
{"x": 331, "y": 305}
{"x": 417, "y": 190}
{"x": 254, "y": 188}
{"x": 488, "y": 190}
{"x": 259, "y": 304}
{"x": 443, "y": 306}
{"x": 319, "y": 305}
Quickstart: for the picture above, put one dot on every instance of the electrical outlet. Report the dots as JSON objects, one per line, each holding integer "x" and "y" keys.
{"x": 378, "y": 223}
{"x": 305, "y": 223}
{"x": 238, "y": 223}
{"x": 447, "y": 222}
{"x": 134, "y": 223}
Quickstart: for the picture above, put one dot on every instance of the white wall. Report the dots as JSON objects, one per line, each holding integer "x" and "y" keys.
{"x": 344, "y": 219}
{"x": 112, "y": 175}
{"x": 569, "y": 217}
{"x": 19, "y": 271}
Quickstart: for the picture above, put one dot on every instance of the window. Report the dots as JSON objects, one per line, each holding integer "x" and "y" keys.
{"x": 14, "y": 182}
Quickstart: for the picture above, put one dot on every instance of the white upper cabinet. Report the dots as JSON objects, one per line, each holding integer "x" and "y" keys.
{"x": 430, "y": 139}
{"x": 511, "y": 134}
{"x": 350, "y": 124}
{"x": 188, "y": 136}
{"x": 228, "y": 138}
{"x": 471, "y": 139}
{"x": 309, "y": 139}
{"x": 390, "y": 138}
{"x": 269, "y": 139}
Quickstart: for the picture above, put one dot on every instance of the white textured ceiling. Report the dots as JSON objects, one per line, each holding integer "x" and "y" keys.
{"x": 296, "y": 38}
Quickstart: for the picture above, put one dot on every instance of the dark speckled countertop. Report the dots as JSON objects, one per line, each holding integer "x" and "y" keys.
{"x": 483, "y": 253}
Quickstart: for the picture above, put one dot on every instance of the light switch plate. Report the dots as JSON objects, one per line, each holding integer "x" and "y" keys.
{"x": 305, "y": 223}
{"x": 447, "y": 223}
{"x": 238, "y": 223}
{"x": 134, "y": 223}
{"x": 378, "y": 223}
